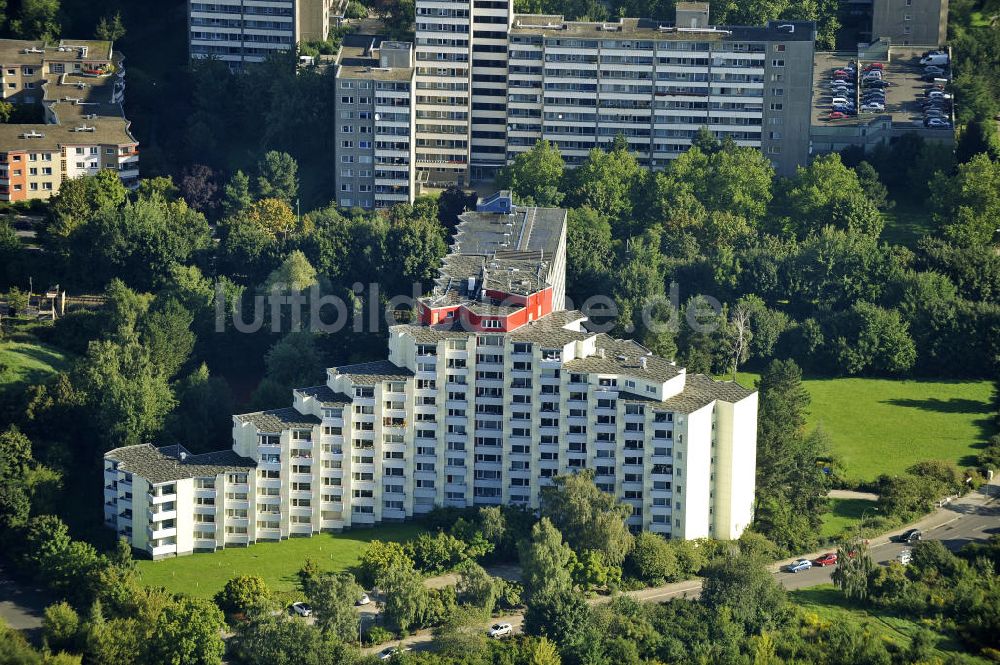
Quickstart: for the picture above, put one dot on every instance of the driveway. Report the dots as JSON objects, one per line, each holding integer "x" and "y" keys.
{"x": 21, "y": 606}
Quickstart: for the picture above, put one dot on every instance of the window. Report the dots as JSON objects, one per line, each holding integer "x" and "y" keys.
{"x": 777, "y": 63}
{"x": 779, "y": 48}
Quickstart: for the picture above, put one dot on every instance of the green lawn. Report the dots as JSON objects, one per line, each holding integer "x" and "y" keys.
{"x": 906, "y": 223}
{"x": 844, "y": 513}
{"x": 204, "y": 574}
{"x": 885, "y": 425}
{"x": 25, "y": 363}
{"x": 829, "y": 604}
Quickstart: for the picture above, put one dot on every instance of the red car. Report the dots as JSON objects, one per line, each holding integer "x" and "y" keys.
{"x": 828, "y": 559}
{"x": 837, "y": 115}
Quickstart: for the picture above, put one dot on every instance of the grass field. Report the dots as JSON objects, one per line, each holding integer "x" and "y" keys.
{"x": 277, "y": 563}
{"x": 843, "y": 514}
{"x": 829, "y": 604}
{"x": 884, "y": 425}
{"x": 906, "y": 223}
{"x": 24, "y": 363}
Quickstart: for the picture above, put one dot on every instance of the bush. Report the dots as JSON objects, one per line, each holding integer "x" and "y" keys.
{"x": 652, "y": 560}
{"x": 243, "y": 596}
{"x": 378, "y": 558}
{"x": 377, "y": 635}
{"x": 355, "y": 10}
{"x": 436, "y": 554}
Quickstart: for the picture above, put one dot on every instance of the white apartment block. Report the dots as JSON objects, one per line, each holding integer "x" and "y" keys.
{"x": 240, "y": 31}
{"x": 490, "y": 84}
{"x": 491, "y": 393}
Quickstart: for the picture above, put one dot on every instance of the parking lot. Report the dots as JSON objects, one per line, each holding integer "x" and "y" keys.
{"x": 903, "y": 97}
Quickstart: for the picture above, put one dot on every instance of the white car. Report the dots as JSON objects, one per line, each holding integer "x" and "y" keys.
{"x": 389, "y": 652}
{"x": 501, "y": 630}
{"x": 840, "y": 101}
{"x": 871, "y": 108}
{"x": 302, "y": 609}
{"x": 363, "y": 600}
{"x": 905, "y": 557}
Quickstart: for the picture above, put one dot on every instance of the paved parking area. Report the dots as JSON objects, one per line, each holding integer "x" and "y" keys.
{"x": 903, "y": 98}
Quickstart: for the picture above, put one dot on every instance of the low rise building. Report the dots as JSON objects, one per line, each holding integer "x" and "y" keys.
{"x": 493, "y": 391}
{"x": 78, "y": 87}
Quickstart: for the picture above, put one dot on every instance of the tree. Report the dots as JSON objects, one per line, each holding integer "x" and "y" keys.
{"x": 15, "y": 454}
{"x": 201, "y": 421}
{"x": 293, "y": 361}
{"x": 188, "y": 630}
{"x": 546, "y": 560}
{"x": 562, "y": 616}
{"x": 653, "y": 560}
{"x": 744, "y": 587}
{"x": 535, "y": 176}
{"x": 61, "y": 627}
{"x": 878, "y": 340}
{"x": 604, "y": 182}
{"x": 166, "y": 334}
{"x": 588, "y": 518}
{"x": 245, "y": 595}
{"x": 589, "y": 252}
{"x": 854, "y": 567}
{"x": 236, "y": 195}
{"x": 129, "y": 397}
{"x": 476, "y": 587}
{"x": 277, "y": 177}
{"x": 967, "y": 204}
{"x": 6, "y": 110}
{"x": 199, "y": 189}
{"x": 282, "y": 641}
{"x": 379, "y": 558}
{"x": 110, "y": 30}
{"x": 332, "y": 597}
{"x": 39, "y": 20}
{"x": 406, "y": 597}
{"x": 827, "y": 193}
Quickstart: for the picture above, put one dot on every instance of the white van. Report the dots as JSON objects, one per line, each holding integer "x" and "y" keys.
{"x": 938, "y": 59}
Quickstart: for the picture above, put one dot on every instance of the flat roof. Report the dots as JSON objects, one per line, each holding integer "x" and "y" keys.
{"x": 355, "y": 60}
{"x": 902, "y": 98}
{"x": 641, "y": 28}
{"x": 34, "y": 52}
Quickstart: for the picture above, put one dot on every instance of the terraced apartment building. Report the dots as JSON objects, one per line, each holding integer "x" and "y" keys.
{"x": 490, "y": 83}
{"x": 77, "y": 88}
{"x": 490, "y": 393}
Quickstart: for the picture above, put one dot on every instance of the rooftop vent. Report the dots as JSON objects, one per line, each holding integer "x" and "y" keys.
{"x": 84, "y": 128}
{"x": 622, "y": 357}
{"x": 787, "y": 27}
{"x": 32, "y": 135}
{"x": 183, "y": 456}
{"x": 600, "y": 352}
{"x": 642, "y": 362}
{"x": 33, "y": 49}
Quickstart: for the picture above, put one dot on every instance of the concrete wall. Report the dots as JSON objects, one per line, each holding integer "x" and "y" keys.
{"x": 735, "y": 467}
{"x": 788, "y": 75}
{"x": 692, "y": 473}
{"x": 911, "y": 21}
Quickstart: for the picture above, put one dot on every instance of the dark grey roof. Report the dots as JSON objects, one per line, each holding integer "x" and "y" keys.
{"x": 700, "y": 391}
{"x": 325, "y": 395}
{"x": 165, "y": 464}
{"x": 550, "y": 331}
{"x": 622, "y": 357}
{"x": 369, "y": 374}
{"x": 279, "y": 420}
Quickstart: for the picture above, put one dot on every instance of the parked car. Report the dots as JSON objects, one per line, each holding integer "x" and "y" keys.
{"x": 933, "y": 70}
{"x": 875, "y": 74}
{"x": 872, "y": 66}
{"x": 878, "y": 83}
{"x": 846, "y": 109}
{"x": 799, "y": 565}
{"x": 302, "y": 609}
{"x": 363, "y": 600}
{"x": 937, "y": 94}
{"x": 905, "y": 557}
{"x": 828, "y": 559}
{"x": 840, "y": 100}
{"x": 872, "y": 107}
{"x": 908, "y": 536}
{"x": 937, "y": 123}
{"x": 499, "y": 630}
{"x": 837, "y": 115}
{"x": 389, "y": 652}
{"x": 934, "y": 59}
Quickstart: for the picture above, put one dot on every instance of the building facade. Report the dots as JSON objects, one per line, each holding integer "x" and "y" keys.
{"x": 77, "y": 88}
{"x": 375, "y": 117}
{"x": 490, "y": 84}
{"x": 491, "y": 392}
{"x": 242, "y": 31}
{"x": 906, "y": 22}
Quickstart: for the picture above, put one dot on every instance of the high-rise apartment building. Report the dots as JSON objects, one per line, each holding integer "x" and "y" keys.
{"x": 375, "y": 117}
{"x": 490, "y": 83}
{"x": 916, "y": 22}
{"x": 240, "y": 31}
{"x": 491, "y": 392}
{"x": 78, "y": 87}
{"x": 580, "y": 84}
